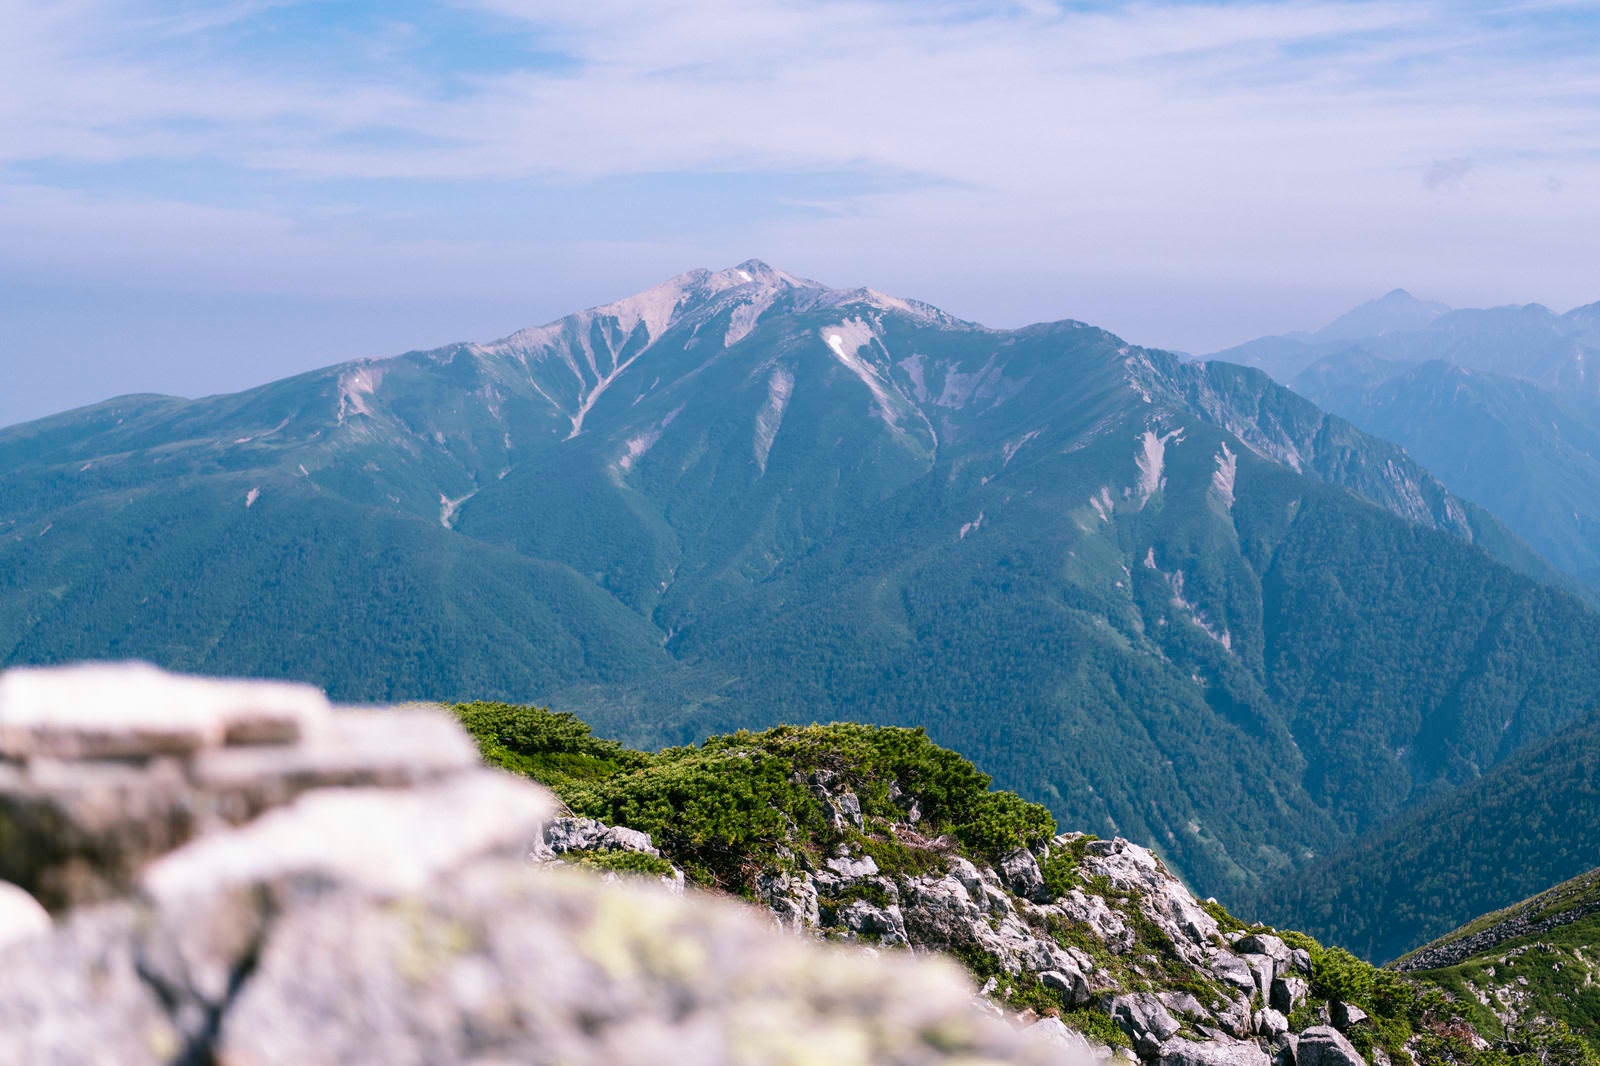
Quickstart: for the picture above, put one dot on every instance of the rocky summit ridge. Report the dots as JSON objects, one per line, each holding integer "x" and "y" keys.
{"x": 239, "y": 873}
{"x": 355, "y": 887}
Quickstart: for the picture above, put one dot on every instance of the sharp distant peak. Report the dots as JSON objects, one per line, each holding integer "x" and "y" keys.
{"x": 758, "y": 272}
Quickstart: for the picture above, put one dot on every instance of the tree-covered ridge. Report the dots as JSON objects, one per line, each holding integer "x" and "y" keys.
{"x": 742, "y": 807}
{"x": 1527, "y": 967}
{"x": 1529, "y": 823}
{"x": 738, "y": 803}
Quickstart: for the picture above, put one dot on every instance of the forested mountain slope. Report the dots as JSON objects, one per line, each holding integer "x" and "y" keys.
{"x": 1527, "y": 966}
{"x": 1530, "y": 822}
{"x": 1530, "y": 455}
{"x": 1173, "y": 601}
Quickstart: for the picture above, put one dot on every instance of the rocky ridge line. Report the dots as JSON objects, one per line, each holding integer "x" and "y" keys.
{"x": 1128, "y": 941}
{"x": 240, "y": 874}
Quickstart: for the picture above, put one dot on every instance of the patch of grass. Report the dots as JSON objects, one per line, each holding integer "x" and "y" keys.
{"x": 1060, "y": 869}
{"x": 1226, "y": 922}
{"x": 1097, "y": 1025}
{"x": 629, "y": 862}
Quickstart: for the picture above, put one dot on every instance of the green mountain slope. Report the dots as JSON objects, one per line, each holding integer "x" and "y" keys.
{"x": 1528, "y": 965}
{"x": 874, "y": 835}
{"x": 1529, "y": 455}
{"x": 1530, "y": 822}
{"x": 1171, "y": 600}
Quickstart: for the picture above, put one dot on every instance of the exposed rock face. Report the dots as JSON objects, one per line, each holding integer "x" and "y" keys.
{"x": 563, "y": 835}
{"x": 1213, "y": 1053}
{"x": 395, "y": 919}
{"x": 1324, "y": 1045}
{"x": 86, "y": 803}
{"x": 1089, "y": 949}
{"x": 21, "y": 917}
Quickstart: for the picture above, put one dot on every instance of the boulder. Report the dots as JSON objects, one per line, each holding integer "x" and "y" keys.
{"x": 1183, "y": 1003}
{"x": 21, "y": 916}
{"x": 1022, "y": 875}
{"x": 1070, "y": 983}
{"x": 1288, "y": 993}
{"x": 852, "y": 868}
{"x": 1266, "y": 944}
{"x": 92, "y": 796}
{"x": 849, "y": 808}
{"x": 792, "y": 899}
{"x": 1347, "y": 1016}
{"x": 134, "y": 711}
{"x": 1073, "y": 1046}
{"x": 1270, "y": 1023}
{"x": 1181, "y": 1052}
{"x": 387, "y": 841}
{"x": 1324, "y": 1045}
{"x": 562, "y": 835}
{"x": 1143, "y": 1017}
{"x": 1264, "y": 970}
{"x": 1231, "y": 970}
{"x": 1162, "y": 897}
{"x": 879, "y": 925}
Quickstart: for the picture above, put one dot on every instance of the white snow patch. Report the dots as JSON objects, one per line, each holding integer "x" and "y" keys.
{"x": 1103, "y": 504}
{"x": 449, "y": 507}
{"x": 846, "y": 341}
{"x": 355, "y": 386}
{"x": 747, "y": 314}
{"x": 635, "y": 448}
{"x": 971, "y": 527}
{"x": 1015, "y": 446}
{"x": 1218, "y": 634}
{"x": 48, "y": 526}
{"x": 303, "y": 471}
{"x": 1223, "y": 478}
{"x": 780, "y": 386}
{"x": 251, "y": 497}
{"x": 86, "y": 466}
{"x": 1151, "y": 460}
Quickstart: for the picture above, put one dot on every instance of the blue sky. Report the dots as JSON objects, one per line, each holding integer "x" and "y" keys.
{"x": 196, "y": 197}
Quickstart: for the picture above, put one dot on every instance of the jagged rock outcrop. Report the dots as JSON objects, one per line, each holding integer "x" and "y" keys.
{"x": 327, "y": 902}
{"x": 1109, "y": 924}
{"x": 1323, "y": 1045}
{"x": 104, "y": 768}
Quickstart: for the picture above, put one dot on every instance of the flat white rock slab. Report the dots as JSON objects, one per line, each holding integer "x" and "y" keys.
{"x": 133, "y": 710}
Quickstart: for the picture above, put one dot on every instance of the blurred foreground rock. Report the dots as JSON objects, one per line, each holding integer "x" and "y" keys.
{"x": 279, "y": 882}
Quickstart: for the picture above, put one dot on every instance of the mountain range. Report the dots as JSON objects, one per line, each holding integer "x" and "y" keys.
{"x": 1171, "y": 600}
{"x": 1501, "y": 404}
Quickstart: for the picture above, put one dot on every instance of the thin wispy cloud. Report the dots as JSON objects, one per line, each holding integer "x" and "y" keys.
{"x": 1018, "y": 160}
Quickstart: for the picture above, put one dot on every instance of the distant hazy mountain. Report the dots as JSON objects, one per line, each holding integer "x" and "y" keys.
{"x": 1173, "y": 600}
{"x": 1530, "y": 342}
{"x": 1285, "y": 356}
{"x": 1528, "y": 454}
